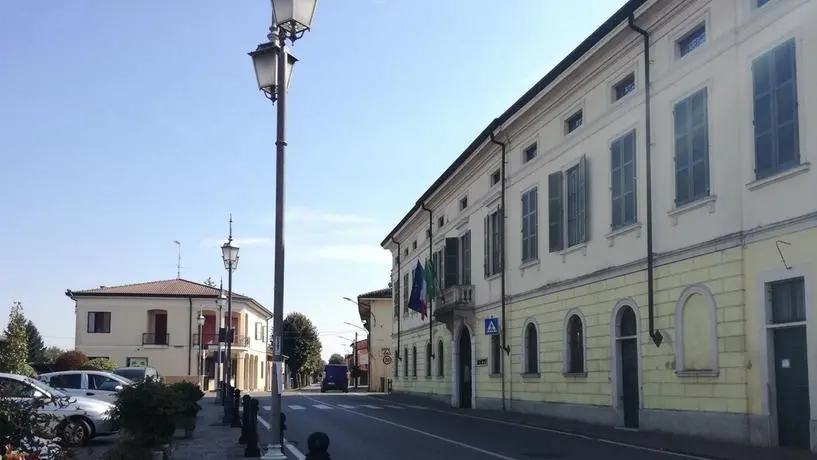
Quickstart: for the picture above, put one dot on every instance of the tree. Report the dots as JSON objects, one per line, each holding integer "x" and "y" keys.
{"x": 52, "y": 353}
{"x": 14, "y": 358}
{"x": 100, "y": 364}
{"x": 36, "y": 347}
{"x": 301, "y": 344}
{"x": 336, "y": 359}
{"x": 70, "y": 361}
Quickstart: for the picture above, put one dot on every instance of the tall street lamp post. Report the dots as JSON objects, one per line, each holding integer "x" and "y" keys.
{"x": 273, "y": 69}
{"x": 217, "y": 373}
{"x": 201, "y": 320}
{"x": 229, "y": 253}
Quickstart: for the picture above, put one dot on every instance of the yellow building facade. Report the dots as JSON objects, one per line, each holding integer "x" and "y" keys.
{"x": 720, "y": 343}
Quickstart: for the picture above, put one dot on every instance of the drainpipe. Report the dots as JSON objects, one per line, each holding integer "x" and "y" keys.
{"x": 655, "y": 334}
{"x": 190, "y": 336}
{"x": 399, "y": 303}
{"x": 430, "y": 256}
{"x": 505, "y": 346}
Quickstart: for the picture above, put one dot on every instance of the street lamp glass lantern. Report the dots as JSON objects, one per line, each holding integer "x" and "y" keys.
{"x": 294, "y": 16}
{"x": 230, "y": 255}
{"x": 265, "y": 61}
{"x": 201, "y": 319}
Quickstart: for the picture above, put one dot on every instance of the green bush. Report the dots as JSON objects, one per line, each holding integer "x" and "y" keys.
{"x": 100, "y": 364}
{"x": 70, "y": 361}
{"x": 189, "y": 395}
{"x": 146, "y": 412}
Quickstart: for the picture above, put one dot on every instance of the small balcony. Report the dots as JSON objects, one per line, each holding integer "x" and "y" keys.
{"x": 212, "y": 339}
{"x": 152, "y": 338}
{"x": 455, "y": 302}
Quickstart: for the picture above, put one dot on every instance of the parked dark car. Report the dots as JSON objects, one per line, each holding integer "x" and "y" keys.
{"x": 138, "y": 373}
{"x": 335, "y": 377}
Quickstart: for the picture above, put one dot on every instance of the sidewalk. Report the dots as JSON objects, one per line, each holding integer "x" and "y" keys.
{"x": 649, "y": 439}
{"x": 211, "y": 440}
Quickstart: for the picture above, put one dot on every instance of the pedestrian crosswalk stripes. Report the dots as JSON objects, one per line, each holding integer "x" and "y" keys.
{"x": 296, "y": 407}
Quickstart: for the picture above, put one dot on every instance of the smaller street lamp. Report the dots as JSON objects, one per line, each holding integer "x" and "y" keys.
{"x": 265, "y": 61}
{"x": 201, "y": 321}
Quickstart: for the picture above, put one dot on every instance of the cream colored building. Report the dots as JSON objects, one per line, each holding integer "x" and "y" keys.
{"x": 375, "y": 310}
{"x": 711, "y": 333}
{"x": 156, "y": 324}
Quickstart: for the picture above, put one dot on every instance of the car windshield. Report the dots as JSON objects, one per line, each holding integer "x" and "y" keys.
{"x": 46, "y": 388}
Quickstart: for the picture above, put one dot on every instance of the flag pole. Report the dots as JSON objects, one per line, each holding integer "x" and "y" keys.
{"x": 429, "y": 289}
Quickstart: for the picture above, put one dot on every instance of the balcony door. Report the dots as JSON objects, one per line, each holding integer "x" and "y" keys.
{"x": 160, "y": 328}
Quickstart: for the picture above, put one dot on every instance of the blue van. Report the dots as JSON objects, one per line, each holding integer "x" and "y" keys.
{"x": 335, "y": 377}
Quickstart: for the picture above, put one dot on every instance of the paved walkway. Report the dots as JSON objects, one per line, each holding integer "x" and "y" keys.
{"x": 651, "y": 439}
{"x": 212, "y": 440}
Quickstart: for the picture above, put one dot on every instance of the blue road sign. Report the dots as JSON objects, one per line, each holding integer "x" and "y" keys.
{"x": 491, "y": 326}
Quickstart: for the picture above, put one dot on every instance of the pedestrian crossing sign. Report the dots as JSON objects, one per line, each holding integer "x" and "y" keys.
{"x": 491, "y": 326}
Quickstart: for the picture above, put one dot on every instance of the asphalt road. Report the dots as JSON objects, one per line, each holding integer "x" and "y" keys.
{"x": 364, "y": 427}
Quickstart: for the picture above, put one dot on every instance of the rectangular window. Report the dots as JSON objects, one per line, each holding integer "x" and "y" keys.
{"x": 529, "y": 154}
{"x": 396, "y": 296}
{"x": 567, "y": 207}
{"x": 414, "y": 245}
{"x": 99, "y": 322}
{"x": 692, "y": 40}
{"x": 624, "y": 87}
{"x": 463, "y": 203}
{"x": 759, "y": 3}
{"x": 493, "y": 244}
{"x": 574, "y": 122}
{"x": 622, "y": 163}
{"x": 691, "y": 149}
{"x": 775, "y": 111}
{"x": 465, "y": 258}
{"x": 440, "y": 221}
{"x": 452, "y": 262}
{"x": 787, "y": 301}
{"x": 404, "y": 300}
{"x": 530, "y": 226}
{"x": 495, "y": 178}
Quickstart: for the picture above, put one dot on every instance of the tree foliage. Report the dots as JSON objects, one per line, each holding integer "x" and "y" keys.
{"x": 301, "y": 344}
{"x": 14, "y": 355}
{"x": 336, "y": 359}
{"x": 51, "y": 354}
{"x": 70, "y": 361}
{"x": 100, "y": 364}
{"x": 36, "y": 346}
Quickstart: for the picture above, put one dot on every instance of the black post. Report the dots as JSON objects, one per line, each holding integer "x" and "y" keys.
{"x": 252, "y": 450}
{"x": 245, "y": 419}
{"x": 318, "y": 445}
{"x": 236, "y": 401}
{"x": 283, "y": 428}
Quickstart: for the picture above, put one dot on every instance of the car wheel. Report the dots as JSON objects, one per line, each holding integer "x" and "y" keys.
{"x": 76, "y": 432}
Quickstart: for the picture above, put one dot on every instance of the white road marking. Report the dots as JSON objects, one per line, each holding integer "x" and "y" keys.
{"x": 392, "y": 406}
{"x": 321, "y": 406}
{"x": 562, "y": 433}
{"x": 431, "y": 435}
{"x": 269, "y": 407}
{"x": 346, "y": 406}
{"x": 265, "y": 423}
{"x": 369, "y": 406}
{"x": 294, "y": 407}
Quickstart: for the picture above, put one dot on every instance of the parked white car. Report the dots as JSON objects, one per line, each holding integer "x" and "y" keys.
{"x": 78, "y": 418}
{"x": 93, "y": 384}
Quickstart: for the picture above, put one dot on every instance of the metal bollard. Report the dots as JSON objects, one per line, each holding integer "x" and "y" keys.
{"x": 318, "y": 445}
{"x": 245, "y": 417}
{"x": 283, "y": 428}
{"x": 236, "y": 419}
{"x": 253, "y": 450}
{"x": 227, "y": 419}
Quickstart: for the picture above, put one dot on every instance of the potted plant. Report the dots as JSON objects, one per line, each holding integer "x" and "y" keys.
{"x": 188, "y": 396}
{"x": 145, "y": 412}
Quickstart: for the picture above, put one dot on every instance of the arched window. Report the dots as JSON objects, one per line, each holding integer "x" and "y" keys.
{"x": 405, "y": 362}
{"x": 531, "y": 349}
{"x": 414, "y": 360}
{"x": 428, "y": 359}
{"x": 574, "y": 355}
{"x": 440, "y": 350}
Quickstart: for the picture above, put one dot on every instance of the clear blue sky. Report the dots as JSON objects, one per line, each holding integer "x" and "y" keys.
{"x": 126, "y": 125}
